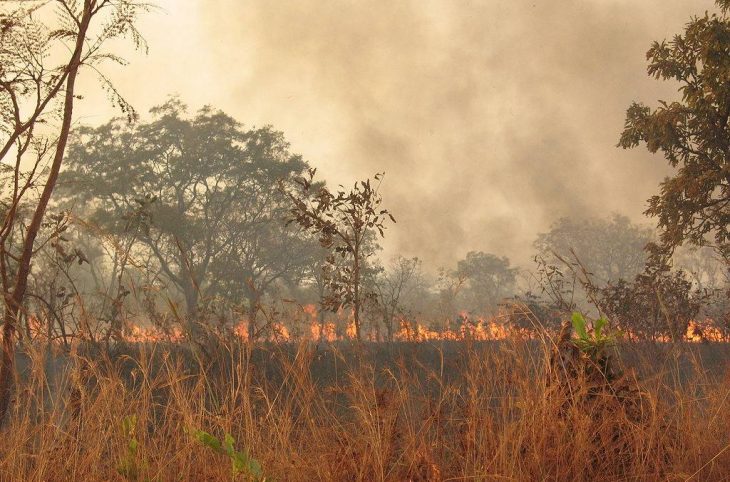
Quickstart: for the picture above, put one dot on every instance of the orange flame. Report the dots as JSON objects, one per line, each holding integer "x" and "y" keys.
{"x": 315, "y": 329}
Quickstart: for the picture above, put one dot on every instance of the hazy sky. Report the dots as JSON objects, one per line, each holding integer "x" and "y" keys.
{"x": 490, "y": 118}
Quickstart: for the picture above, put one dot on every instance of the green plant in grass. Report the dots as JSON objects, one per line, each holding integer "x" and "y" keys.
{"x": 595, "y": 343}
{"x": 241, "y": 463}
{"x": 130, "y": 467}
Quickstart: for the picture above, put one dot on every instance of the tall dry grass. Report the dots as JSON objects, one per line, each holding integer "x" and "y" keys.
{"x": 489, "y": 414}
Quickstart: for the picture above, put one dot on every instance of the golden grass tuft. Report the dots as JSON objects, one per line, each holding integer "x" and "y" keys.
{"x": 488, "y": 414}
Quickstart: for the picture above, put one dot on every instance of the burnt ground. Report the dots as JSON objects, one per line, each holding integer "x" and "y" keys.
{"x": 330, "y": 363}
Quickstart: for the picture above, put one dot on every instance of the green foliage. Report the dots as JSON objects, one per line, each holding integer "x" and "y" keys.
{"x": 693, "y": 133}
{"x": 593, "y": 343}
{"x": 241, "y": 463}
{"x": 130, "y": 467}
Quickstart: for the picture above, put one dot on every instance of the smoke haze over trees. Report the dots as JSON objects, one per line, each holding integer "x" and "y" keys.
{"x": 488, "y": 101}
{"x": 477, "y": 162}
{"x": 201, "y": 192}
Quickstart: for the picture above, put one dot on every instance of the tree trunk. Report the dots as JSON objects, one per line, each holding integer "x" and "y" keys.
{"x": 356, "y": 292}
{"x": 253, "y": 309}
{"x": 388, "y": 322}
{"x": 13, "y": 302}
{"x": 7, "y": 366}
{"x": 191, "y": 302}
{"x": 191, "y": 310}
{"x": 322, "y": 322}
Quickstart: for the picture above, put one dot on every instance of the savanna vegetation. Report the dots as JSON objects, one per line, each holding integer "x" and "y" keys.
{"x": 184, "y": 298}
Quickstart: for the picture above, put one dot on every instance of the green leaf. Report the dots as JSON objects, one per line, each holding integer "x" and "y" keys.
{"x": 228, "y": 443}
{"x": 579, "y": 325}
{"x": 254, "y": 468}
{"x": 208, "y": 440}
{"x": 240, "y": 463}
{"x": 129, "y": 423}
{"x": 598, "y": 327}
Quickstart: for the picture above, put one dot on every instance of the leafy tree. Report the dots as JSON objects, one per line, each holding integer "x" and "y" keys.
{"x": 204, "y": 190}
{"x": 692, "y": 133}
{"x": 611, "y": 249}
{"x": 488, "y": 279}
{"x": 263, "y": 252}
{"x": 345, "y": 223}
{"x": 35, "y": 90}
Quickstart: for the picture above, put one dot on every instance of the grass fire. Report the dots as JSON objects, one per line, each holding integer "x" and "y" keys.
{"x": 364, "y": 241}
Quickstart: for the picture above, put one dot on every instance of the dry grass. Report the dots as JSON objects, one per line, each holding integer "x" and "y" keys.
{"x": 501, "y": 417}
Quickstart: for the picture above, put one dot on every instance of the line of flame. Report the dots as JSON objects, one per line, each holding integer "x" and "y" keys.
{"x": 479, "y": 329}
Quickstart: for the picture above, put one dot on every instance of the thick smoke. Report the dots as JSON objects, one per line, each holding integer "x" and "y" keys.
{"x": 491, "y": 119}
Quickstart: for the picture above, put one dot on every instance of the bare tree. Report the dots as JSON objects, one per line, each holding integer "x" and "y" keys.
{"x": 398, "y": 281}
{"x": 36, "y": 113}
